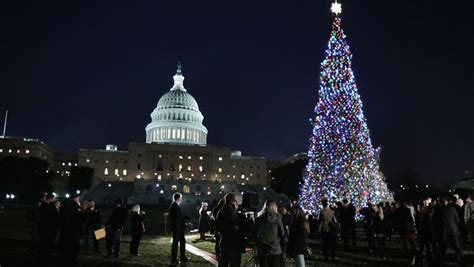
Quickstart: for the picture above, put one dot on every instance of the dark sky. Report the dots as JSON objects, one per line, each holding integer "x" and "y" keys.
{"x": 81, "y": 74}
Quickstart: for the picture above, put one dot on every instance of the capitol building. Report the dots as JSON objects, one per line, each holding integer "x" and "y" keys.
{"x": 175, "y": 157}
{"x": 175, "y": 149}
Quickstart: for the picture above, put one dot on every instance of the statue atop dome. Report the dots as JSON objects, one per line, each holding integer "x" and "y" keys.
{"x": 178, "y": 79}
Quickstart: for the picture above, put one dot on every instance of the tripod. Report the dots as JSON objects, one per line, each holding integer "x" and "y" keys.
{"x": 253, "y": 260}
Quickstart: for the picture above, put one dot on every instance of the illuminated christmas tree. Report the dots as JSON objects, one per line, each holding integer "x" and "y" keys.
{"x": 342, "y": 163}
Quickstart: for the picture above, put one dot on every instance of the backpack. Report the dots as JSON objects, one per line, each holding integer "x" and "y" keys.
{"x": 266, "y": 233}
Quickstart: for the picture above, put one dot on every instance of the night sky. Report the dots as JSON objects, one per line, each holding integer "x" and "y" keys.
{"x": 82, "y": 74}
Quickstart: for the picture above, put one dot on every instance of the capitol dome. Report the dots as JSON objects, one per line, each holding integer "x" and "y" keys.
{"x": 176, "y": 118}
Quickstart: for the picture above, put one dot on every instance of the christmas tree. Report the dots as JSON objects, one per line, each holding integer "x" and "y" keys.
{"x": 342, "y": 163}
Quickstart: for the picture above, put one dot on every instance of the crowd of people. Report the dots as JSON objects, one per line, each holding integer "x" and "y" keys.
{"x": 274, "y": 233}
{"x": 277, "y": 232}
{"x": 71, "y": 222}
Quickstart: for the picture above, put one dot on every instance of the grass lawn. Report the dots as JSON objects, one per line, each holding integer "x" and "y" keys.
{"x": 155, "y": 250}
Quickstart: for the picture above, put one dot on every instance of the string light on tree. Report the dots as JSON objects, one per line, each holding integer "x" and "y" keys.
{"x": 342, "y": 162}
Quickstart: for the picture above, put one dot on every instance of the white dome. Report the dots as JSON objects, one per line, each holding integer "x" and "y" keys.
{"x": 176, "y": 118}
{"x": 177, "y": 99}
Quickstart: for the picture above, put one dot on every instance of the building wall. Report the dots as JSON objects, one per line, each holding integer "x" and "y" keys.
{"x": 174, "y": 162}
{"x": 25, "y": 148}
{"x": 108, "y": 165}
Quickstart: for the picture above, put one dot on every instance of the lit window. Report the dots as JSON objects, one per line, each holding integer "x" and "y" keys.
{"x": 189, "y": 168}
{"x": 201, "y": 158}
{"x": 159, "y": 177}
{"x": 18, "y": 151}
{"x": 64, "y": 163}
{"x": 173, "y": 134}
{"x": 26, "y": 151}
{"x": 117, "y": 172}
{"x": 124, "y": 172}
{"x": 138, "y": 176}
{"x": 201, "y": 169}
{"x": 174, "y": 188}
{"x": 160, "y": 156}
{"x": 69, "y": 164}
{"x": 242, "y": 176}
{"x": 88, "y": 160}
{"x": 220, "y": 158}
{"x": 180, "y": 168}
{"x": 189, "y": 157}
{"x": 106, "y": 161}
{"x": 75, "y": 164}
{"x": 9, "y": 151}
{"x": 220, "y": 170}
{"x": 180, "y": 157}
{"x": 106, "y": 171}
{"x": 1, "y": 150}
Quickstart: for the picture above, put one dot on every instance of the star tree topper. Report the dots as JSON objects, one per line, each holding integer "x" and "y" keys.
{"x": 336, "y": 8}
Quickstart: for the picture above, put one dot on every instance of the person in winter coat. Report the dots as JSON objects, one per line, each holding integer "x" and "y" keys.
{"x": 48, "y": 223}
{"x": 270, "y": 231}
{"x": 328, "y": 229}
{"x": 299, "y": 230}
{"x": 229, "y": 224}
{"x": 347, "y": 219}
{"x": 469, "y": 216}
{"x": 203, "y": 220}
{"x": 379, "y": 230}
{"x": 368, "y": 215}
{"x": 178, "y": 225}
{"x": 425, "y": 230}
{"x": 137, "y": 229}
{"x": 71, "y": 231}
{"x": 93, "y": 222}
{"x": 448, "y": 219}
{"x": 33, "y": 220}
{"x": 406, "y": 229}
{"x": 114, "y": 228}
{"x": 286, "y": 220}
{"x": 217, "y": 234}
